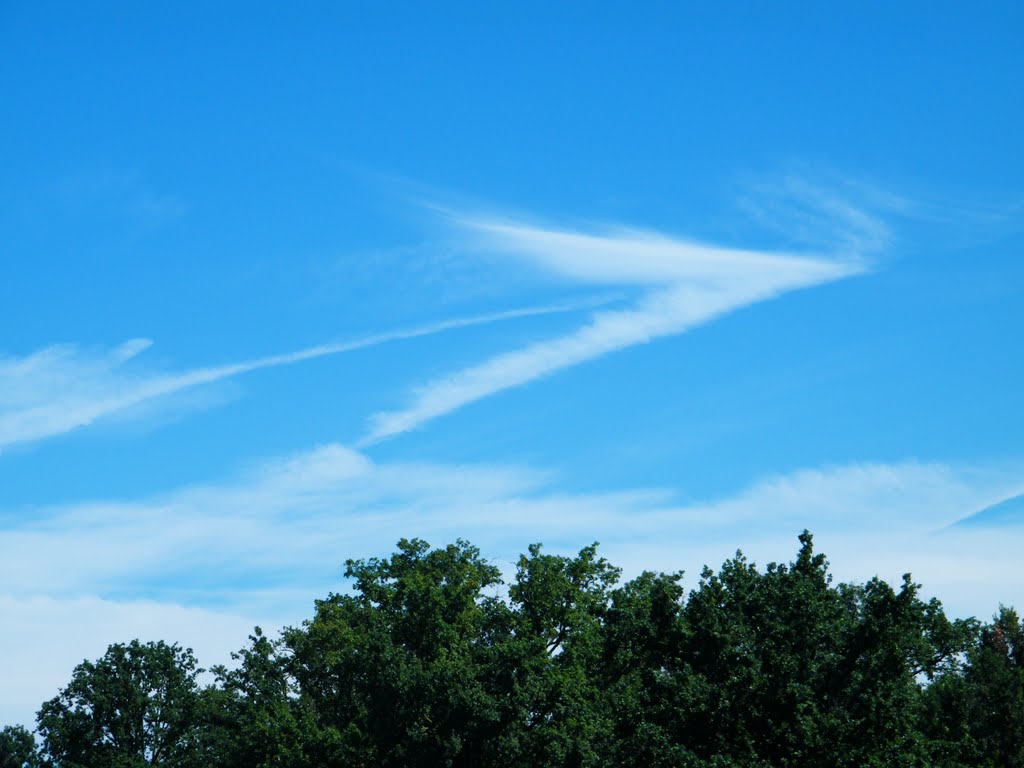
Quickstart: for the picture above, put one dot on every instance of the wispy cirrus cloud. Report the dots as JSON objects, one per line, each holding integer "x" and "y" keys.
{"x": 685, "y": 284}
{"x": 62, "y": 388}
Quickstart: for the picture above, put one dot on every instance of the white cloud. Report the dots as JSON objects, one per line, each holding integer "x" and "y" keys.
{"x": 905, "y": 496}
{"x": 44, "y": 638}
{"x": 638, "y": 257}
{"x": 203, "y": 564}
{"x": 292, "y": 522}
{"x": 687, "y": 284}
{"x": 63, "y": 388}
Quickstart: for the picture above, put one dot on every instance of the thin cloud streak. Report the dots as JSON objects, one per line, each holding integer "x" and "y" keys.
{"x": 59, "y": 389}
{"x": 688, "y": 284}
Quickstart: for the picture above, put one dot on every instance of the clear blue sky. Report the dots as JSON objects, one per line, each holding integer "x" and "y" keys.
{"x": 281, "y": 285}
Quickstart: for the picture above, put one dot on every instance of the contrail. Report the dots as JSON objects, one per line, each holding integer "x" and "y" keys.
{"x": 43, "y": 416}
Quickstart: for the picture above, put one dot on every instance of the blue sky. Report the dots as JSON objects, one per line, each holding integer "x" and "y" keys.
{"x": 280, "y": 286}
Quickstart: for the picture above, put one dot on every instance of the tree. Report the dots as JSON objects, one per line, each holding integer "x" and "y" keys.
{"x": 135, "y": 706}
{"x": 429, "y": 661}
{"x": 17, "y": 748}
{"x": 995, "y": 685}
{"x": 644, "y": 674}
{"x": 251, "y": 717}
{"x": 400, "y": 673}
{"x": 559, "y": 607}
{"x": 424, "y": 663}
{"x": 783, "y": 669}
{"x": 976, "y": 711}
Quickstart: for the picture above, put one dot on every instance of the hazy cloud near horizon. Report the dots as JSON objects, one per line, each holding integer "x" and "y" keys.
{"x": 202, "y": 564}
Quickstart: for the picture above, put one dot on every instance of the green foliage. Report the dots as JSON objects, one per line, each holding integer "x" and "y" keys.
{"x": 251, "y": 717}
{"x": 430, "y": 660}
{"x": 136, "y": 706}
{"x": 559, "y": 606}
{"x": 976, "y": 712}
{"x": 17, "y": 748}
{"x": 784, "y": 669}
{"x": 403, "y": 672}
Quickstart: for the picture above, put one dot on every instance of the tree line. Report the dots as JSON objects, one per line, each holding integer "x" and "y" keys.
{"x": 430, "y": 660}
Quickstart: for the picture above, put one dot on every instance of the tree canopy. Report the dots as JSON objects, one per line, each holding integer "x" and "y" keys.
{"x": 135, "y": 706}
{"x": 430, "y": 659}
